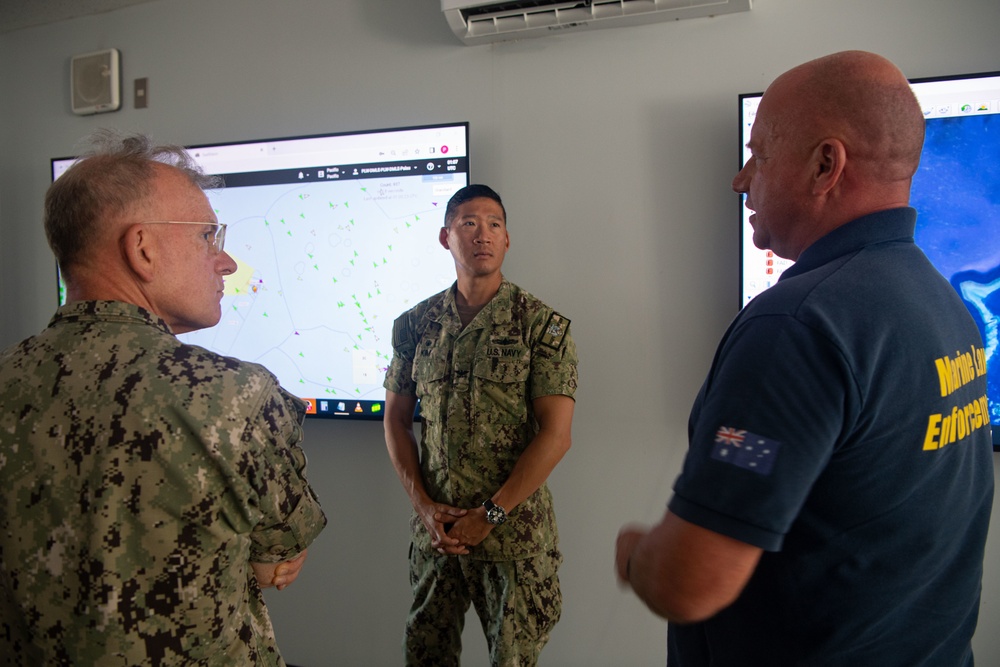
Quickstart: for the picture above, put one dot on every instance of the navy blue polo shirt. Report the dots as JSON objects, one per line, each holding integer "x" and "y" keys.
{"x": 842, "y": 429}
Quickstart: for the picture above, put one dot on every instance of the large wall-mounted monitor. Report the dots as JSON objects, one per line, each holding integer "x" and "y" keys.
{"x": 334, "y": 236}
{"x": 956, "y": 192}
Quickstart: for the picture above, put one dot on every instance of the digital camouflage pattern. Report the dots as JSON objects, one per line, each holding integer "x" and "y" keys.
{"x": 138, "y": 478}
{"x": 475, "y": 387}
{"x": 520, "y": 601}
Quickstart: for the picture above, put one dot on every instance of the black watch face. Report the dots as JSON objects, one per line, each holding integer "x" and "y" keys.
{"x": 495, "y": 515}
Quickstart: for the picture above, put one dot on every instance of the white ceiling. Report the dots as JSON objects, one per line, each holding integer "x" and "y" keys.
{"x": 18, "y": 14}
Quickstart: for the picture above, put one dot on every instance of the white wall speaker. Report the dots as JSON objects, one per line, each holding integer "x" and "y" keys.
{"x": 95, "y": 82}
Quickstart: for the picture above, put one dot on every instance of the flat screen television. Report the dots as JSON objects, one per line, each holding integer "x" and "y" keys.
{"x": 334, "y": 236}
{"x": 956, "y": 192}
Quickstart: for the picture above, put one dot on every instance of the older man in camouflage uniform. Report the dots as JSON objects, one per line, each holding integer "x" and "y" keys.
{"x": 495, "y": 371}
{"x": 148, "y": 489}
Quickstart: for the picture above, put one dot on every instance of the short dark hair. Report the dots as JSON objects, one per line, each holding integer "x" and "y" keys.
{"x": 467, "y": 193}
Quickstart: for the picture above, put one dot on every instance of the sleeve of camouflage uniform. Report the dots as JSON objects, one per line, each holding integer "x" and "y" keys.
{"x": 292, "y": 516}
{"x": 399, "y": 376}
{"x": 553, "y": 360}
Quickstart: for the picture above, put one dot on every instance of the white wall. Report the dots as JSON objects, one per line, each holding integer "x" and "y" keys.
{"x": 614, "y": 151}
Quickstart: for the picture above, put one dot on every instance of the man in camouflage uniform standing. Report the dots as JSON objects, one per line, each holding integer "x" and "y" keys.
{"x": 495, "y": 371}
{"x": 148, "y": 489}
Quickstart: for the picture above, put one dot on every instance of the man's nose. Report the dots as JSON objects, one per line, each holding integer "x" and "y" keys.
{"x": 228, "y": 266}
{"x": 741, "y": 181}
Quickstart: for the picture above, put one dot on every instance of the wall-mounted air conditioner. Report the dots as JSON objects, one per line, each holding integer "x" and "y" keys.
{"x": 482, "y": 21}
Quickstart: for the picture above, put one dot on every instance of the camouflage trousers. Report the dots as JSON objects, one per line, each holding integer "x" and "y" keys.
{"x": 518, "y": 603}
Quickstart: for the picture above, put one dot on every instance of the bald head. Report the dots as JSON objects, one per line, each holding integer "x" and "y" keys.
{"x": 835, "y": 139}
{"x": 862, "y": 99}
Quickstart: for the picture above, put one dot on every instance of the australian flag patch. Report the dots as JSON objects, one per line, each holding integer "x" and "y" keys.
{"x": 746, "y": 450}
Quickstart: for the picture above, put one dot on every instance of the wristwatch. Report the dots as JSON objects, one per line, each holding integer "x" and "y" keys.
{"x": 494, "y": 513}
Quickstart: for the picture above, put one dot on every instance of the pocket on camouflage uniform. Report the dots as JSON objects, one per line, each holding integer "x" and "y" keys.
{"x": 501, "y": 386}
{"x": 431, "y": 376}
{"x": 538, "y": 579}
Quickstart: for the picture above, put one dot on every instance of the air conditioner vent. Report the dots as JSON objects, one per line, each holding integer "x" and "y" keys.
{"x": 480, "y": 22}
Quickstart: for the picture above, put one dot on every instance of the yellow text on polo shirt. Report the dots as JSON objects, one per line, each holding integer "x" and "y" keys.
{"x": 954, "y": 372}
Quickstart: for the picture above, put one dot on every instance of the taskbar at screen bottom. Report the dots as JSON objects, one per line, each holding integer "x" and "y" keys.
{"x": 327, "y": 408}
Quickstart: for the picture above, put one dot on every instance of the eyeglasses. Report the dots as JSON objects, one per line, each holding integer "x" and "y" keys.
{"x": 217, "y": 237}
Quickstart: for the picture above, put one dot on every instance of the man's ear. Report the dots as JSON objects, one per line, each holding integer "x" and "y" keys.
{"x": 139, "y": 252}
{"x": 828, "y": 160}
{"x": 443, "y": 238}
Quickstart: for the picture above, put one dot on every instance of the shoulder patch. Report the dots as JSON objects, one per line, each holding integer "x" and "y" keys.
{"x": 746, "y": 450}
{"x": 555, "y": 331}
{"x": 403, "y": 337}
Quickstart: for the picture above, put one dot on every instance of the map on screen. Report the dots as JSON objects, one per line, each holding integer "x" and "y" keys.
{"x": 334, "y": 237}
{"x": 324, "y": 269}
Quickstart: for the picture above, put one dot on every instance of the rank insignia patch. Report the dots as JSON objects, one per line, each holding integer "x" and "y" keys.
{"x": 555, "y": 331}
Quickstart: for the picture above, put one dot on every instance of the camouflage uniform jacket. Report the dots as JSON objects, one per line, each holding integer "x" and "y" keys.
{"x": 476, "y": 386}
{"x": 138, "y": 478}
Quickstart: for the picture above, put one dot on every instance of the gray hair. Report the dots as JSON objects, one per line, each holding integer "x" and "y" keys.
{"x": 107, "y": 181}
